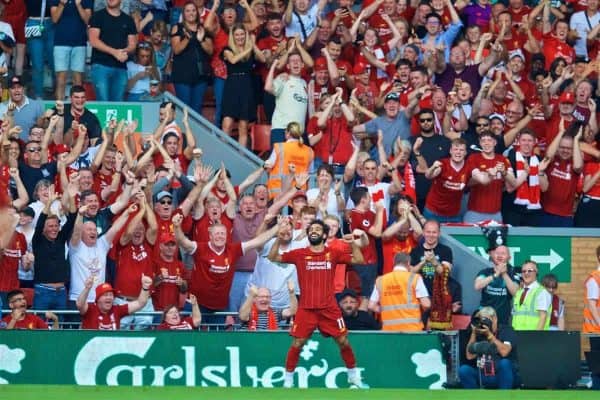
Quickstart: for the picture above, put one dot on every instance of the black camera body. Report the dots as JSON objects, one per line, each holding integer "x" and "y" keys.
{"x": 481, "y": 322}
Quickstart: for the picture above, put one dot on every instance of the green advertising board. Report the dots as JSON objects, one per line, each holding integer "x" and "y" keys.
{"x": 551, "y": 253}
{"x": 108, "y": 111}
{"x": 232, "y": 359}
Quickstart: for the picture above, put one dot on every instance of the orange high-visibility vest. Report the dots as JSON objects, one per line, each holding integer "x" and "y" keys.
{"x": 290, "y": 152}
{"x": 400, "y": 308}
{"x": 589, "y": 323}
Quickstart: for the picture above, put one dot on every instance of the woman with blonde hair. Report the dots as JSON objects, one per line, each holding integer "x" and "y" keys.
{"x": 239, "y": 99}
{"x": 288, "y": 159}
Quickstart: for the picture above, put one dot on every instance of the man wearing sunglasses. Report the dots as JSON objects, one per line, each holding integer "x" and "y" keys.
{"x": 427, "y": 148}
{"x": 532, "y": 302}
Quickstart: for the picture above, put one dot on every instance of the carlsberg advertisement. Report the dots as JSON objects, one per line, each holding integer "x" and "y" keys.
{"x": 227, "y": 359}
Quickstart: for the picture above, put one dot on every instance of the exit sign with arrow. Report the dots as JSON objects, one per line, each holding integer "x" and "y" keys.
{"x": 551, "y": 253}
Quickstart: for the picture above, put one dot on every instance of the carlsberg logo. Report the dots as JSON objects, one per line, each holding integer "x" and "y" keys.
{"x": 99, "y": 350}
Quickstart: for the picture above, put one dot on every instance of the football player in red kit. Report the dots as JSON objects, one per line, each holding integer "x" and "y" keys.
{"x": 316, "y": 265}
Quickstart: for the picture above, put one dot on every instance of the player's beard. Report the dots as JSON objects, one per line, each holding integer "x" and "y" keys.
{"x": 316, "y": 241}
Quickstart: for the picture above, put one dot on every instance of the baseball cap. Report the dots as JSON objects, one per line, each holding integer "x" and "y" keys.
{"x": 103, "y": 289}
{"x": 392, "y": 96}
{"x": 346, "y": 292}
{"x": 516, "y": 53}
{"x": 359, "y": 68}
{"x": 497, "y": 116}
{"x": 567, "y": 97}
{"x": 163, "y": 194}
{"x": 298, "y": 194}
{"x": 320, "y": 64}
{"x": 15, "y": 80}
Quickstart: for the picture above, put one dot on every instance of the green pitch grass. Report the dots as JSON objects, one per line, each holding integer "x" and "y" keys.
{"x": 49, "y": 392}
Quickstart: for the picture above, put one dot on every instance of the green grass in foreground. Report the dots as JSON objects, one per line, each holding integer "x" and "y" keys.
{"x": 52, "y": 392}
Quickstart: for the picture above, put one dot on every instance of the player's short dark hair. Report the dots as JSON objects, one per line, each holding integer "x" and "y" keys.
{"x": 318, "y": 222}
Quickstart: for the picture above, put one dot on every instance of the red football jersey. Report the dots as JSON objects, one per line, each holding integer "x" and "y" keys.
{"x": 316, "y": 272}
{"x": 486, "y": 198}
{"x": 444, "y": 196}
{"x": 132, "y": 262}
{"x": 30, "y": 321}
{"x": 364, "y": 220}
{"x": 562, "y": 188}
{"x": 111, "y": 321}
{"x": 213, "y": 274}
{"x": 166, "y": 293}
{"x": 9, "y": 263}
{"x": 186, "y": 324}
{"x": 393, "y": 246}
{"x": 200, "y": 230}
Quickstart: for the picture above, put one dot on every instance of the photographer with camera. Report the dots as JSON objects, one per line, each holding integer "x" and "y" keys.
{"x": 492, "y": 352}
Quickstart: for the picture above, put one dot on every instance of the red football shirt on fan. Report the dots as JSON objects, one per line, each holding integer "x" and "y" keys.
{"x": 200, "y": 230}
{"x": 590, "y": 169}
{"x": 186, "y": 324}
{"x": 102, "y": 181}
{"x": 517, "y": 15}
{"x": 384, "y": 33}
{"x": 552, "y": 126}
{"x": 180, "y": 159}
{"x": 268, "y": 43}
{"x": 30, "y": 321}
{"x": 166, "y": 226}
{"x": 166, "y": 293}
{"x": 316, "y": 272}
{"x": 562, "y": 188}
{"x": 516, "y": 41}
{"x": 9, "y": 263}
{"x": 486, "y": 198}
{"x": 213, "y": 274}
{"x": 335, "y": 141}
{"x": 111, "y": 321}
{"x": 444, "y": 196}
{"x": 339, "y": 280}
{"x": 132, "y": 261}
{"x": 554, "y": 48}
{"x": 393, "y": 246}
{"x": 364, "y": 220}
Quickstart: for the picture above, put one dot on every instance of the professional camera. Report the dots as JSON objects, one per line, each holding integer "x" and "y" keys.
{"x": 483, "y": 348}
{"x": 482, "y": 345}
{"x": 481, "y": 322}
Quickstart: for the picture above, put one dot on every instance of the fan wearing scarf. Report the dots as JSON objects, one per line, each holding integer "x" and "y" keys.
{"x": 256, "y": 314}
{"x": 521, "y": 203}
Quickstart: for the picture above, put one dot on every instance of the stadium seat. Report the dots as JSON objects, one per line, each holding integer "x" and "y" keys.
{"x": 28, "y": 292}
{"x": 460, "y": 321}
{"x": 260, "y": 135}
{"x": 90, "y": 93}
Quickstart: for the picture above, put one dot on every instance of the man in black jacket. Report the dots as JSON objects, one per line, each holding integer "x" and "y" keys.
{"x": 355, "y": 319}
